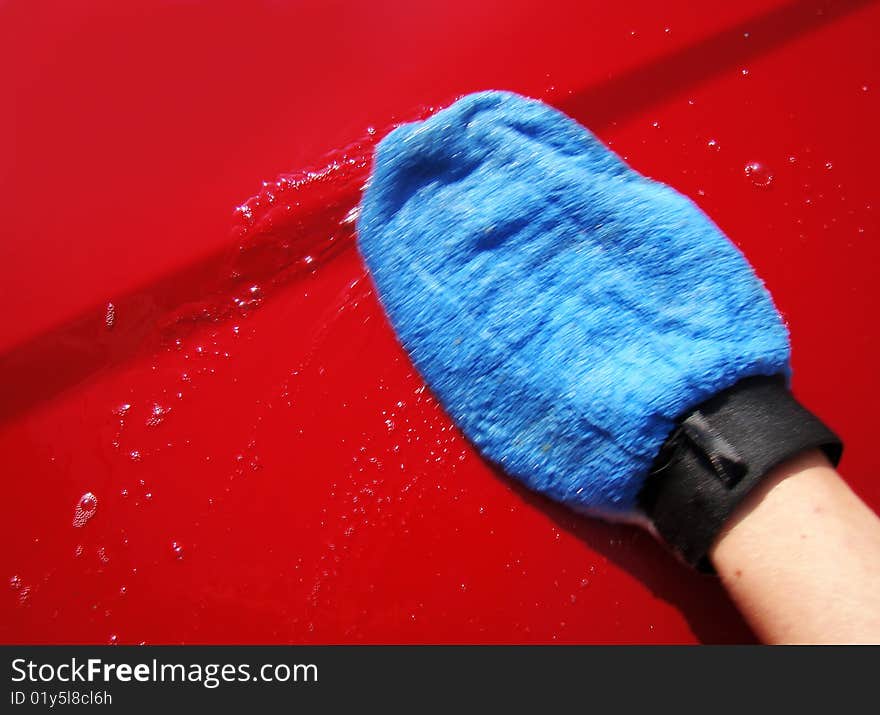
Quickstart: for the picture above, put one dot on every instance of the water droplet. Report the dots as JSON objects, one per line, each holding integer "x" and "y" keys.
{"x": 177, "y": 550}
{"x": 123, "y": 590}
{"x": 85, "y": 509}
{"x": 758, "y": 174}
{"x": 829, "y": 165}
{"x": 110, "y": 316}
{"x": 135, "y": 455}
{"x": 15, "y": 582}
{"x": 157, "y": 414}
{"x": 655, "y": 124}
{"x": 713, "y": 144}
{"x": 245, "y": 212}
{"x": 113, "y": 639}
{"x": 252, "y": 298}
{"x": 744, "y": 72}
{"x": 122, "y": 410}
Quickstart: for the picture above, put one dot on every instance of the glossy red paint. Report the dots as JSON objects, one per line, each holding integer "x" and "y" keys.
{"x": 210, "y": 433}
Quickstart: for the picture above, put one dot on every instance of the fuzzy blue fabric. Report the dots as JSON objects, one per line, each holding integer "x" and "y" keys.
{"x": 564, "y": 308}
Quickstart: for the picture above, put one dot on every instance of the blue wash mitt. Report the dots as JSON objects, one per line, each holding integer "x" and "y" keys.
{"x": 564, "y": 308}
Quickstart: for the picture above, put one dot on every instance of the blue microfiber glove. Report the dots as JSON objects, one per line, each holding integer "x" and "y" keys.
{"x": 565, "y": 309}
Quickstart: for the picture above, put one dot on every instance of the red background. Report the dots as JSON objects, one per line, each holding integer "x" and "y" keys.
{"x": 280, "y": 475}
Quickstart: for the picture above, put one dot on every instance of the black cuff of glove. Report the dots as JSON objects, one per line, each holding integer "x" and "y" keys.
{"x": 718, "y": 453}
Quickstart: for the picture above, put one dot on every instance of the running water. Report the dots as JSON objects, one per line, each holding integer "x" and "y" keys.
{"x": 294, "y": 225}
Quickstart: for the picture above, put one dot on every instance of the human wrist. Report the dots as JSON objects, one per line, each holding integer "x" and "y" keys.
{"x": 722, "y": 450}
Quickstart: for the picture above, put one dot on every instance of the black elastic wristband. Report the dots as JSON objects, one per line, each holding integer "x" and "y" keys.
{"x": 718, "y": 453}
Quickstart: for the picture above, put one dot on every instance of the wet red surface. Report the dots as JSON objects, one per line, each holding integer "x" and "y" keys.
{"x": 210, "y": 433}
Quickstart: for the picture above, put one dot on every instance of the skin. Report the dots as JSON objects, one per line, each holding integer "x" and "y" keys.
{"x": 801, "y": 557}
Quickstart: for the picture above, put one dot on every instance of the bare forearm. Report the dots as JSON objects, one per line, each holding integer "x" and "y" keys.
{"x": 801, "y": 558}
